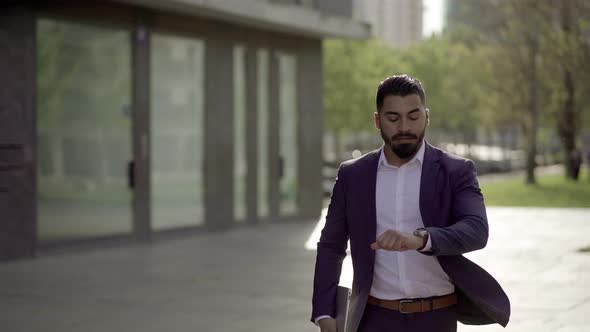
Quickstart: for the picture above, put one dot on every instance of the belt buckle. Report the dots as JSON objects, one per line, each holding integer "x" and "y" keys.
{"x": 401, "y": 306}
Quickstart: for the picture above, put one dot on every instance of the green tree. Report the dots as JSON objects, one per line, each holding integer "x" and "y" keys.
{"x": 449, "y": 70}
{"x": 540, "y": 49}
{"x": 568, "y": 53}
{"x": 516, "y": 30}
{"x": 352, "y": 70}
{"x": 452, "y": 74}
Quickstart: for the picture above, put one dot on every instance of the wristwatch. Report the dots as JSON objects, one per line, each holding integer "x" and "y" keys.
{"x": 423, "y": 233}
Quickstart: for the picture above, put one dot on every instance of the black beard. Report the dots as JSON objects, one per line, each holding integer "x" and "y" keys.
{"x": 404, "y": 150}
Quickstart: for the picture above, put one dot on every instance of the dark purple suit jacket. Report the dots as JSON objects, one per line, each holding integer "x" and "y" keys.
{"x": 453, "y": 212}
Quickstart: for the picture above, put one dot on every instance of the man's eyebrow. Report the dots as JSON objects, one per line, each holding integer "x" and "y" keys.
{"x": 396, "y": 113}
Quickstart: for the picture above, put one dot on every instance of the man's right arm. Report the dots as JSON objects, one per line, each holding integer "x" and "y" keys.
{"x": 331, "y": 251}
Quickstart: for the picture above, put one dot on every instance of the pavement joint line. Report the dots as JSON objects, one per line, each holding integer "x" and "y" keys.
{"x": 584, "y": 301}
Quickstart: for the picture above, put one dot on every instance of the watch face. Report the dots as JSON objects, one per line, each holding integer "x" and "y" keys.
{"x": 420, "y": 232}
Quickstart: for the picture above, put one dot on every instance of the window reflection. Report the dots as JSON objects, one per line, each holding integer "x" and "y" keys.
{"x": 240, "y": 140}
{"x": 262, "y": 88}
{"x": 288, "y": 110}
{"x": 177, "y": 103}
{"x": 83, "y": 130}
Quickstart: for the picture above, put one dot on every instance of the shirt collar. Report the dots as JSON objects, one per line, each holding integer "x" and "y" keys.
{"x": 419, "y": 157}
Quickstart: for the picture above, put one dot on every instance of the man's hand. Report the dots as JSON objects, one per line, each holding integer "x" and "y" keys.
{"x": 396, "y": 241}
{"x": 328, "y": 325}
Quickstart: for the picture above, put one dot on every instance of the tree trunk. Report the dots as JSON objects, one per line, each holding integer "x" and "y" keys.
{"x": 531, "y": 132}
{"x": 567, "y": 119}
{"x": 567, "y": 126}
{"x": 531, "y": 152}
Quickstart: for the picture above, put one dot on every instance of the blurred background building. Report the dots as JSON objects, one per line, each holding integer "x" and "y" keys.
{"x": 396, "y": 22}
{"x": 124, "y": 119}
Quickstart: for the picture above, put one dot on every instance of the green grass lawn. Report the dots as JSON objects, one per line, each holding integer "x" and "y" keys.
{"x": 550, "y": 191}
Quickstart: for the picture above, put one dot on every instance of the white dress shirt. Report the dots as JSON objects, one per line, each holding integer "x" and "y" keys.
{"x": 407, "y": 274}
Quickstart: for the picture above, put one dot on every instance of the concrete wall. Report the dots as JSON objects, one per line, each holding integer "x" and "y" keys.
{"x": 310, "y": 18}
{"x": 336, "y": 7}
{"x": 311, "y": 83}
{"x": 397, "y": 22}
{"x": 284, "y": 2}
{"x": 17, "y": 133}
{"x": 304, "y": 3}
{"x": 219, "y": 125}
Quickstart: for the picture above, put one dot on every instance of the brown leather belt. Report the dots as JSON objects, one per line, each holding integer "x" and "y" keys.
{"x": 417, "y": 305}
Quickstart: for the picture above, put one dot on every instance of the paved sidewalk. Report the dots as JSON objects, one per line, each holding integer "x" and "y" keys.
{"x": 259, "y": 279}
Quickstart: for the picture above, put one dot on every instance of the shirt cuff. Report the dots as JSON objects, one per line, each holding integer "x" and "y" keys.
{"x": 428, "y": 245}
{"x": 317, "y": 320}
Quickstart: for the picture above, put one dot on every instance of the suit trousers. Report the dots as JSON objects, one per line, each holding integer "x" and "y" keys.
{"x": 378, "y": 319}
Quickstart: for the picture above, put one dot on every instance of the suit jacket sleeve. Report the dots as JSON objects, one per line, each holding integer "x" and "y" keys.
{"x": 469, "y": 225}
{"x": 331, "y": 251}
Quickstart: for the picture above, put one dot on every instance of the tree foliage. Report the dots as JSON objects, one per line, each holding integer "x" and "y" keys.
{"x": 446, "y": 68}
{"x": 352, "y": 70}
{"x": 525, "y": 63}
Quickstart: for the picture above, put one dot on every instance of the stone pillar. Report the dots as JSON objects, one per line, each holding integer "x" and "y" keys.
{"x": 219, "y": 128}
{"x": 17, "y": 133}
{"x": 140, "y": 53}
{"x": 311, "y": 128}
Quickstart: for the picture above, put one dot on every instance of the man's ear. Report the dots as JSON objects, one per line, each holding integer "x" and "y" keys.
{"x": 427, "y": 117}
{"x": 376, "y": 116}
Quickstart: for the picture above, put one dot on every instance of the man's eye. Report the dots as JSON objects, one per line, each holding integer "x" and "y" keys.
{"x": 413, "y": 118}
{"x": 393, "y": 119}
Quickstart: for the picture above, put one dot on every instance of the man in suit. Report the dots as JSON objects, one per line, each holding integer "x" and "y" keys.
{"x": 410, "y": 211}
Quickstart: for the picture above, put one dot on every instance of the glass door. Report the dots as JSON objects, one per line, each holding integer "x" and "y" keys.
{"x": 263, "y": 118}
{"x": 240, "y": 137}
{"x": 288, "y": 135}
{"x": 83, "y": 131}
{"x": 177, "y": 117}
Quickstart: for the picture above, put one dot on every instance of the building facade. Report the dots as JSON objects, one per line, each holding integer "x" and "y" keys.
{"x": 126, "y": 119}
{"x": 396, "y": 22}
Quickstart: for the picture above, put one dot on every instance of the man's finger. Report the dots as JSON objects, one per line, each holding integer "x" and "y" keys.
{"x": 375, "y": 246}
{"x": 404, "y": 244}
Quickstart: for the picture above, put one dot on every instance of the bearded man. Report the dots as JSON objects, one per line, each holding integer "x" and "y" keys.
{"x": 410, "y": 211}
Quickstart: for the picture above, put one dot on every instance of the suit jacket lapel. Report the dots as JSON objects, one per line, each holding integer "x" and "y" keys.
{"x": 371, "y": 201}
{"x": 430, "y": 168}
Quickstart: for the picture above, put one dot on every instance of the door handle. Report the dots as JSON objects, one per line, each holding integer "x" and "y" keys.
{"x": 131, "y": 174}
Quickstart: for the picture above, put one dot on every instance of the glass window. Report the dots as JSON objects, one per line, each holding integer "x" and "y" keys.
{"x": 83, "y": 130}
{"x": 262, "y": 88}
{"x": 288, "y": 138}
{"x": 240, "y": 140}
{"x": 177, "y": 103}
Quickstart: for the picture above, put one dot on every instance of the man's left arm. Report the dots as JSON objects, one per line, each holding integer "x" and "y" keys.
{"x": 469, "y": 230}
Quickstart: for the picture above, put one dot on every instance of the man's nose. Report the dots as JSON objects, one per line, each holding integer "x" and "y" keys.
{"x": 404, "y": 125}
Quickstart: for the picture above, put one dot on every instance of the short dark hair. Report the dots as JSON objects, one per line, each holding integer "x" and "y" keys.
{"x": 399, "y": 85}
